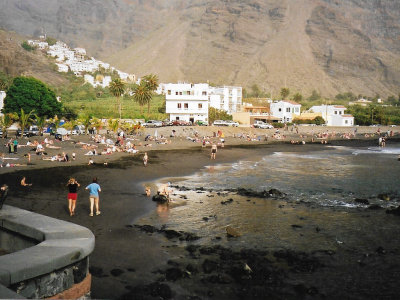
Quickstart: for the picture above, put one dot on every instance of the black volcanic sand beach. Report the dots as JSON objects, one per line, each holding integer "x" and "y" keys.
{"x": 145, "y": 261}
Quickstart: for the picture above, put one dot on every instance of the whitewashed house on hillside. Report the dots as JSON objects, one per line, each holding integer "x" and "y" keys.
{"x": 334, "y": 115}
{"x": 187, "y": 102}
{"x": 285, "y": 110}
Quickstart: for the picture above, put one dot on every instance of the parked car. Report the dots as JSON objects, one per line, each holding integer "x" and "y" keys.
{"x": 181, "y": 123}
{"x": 167, "y": 122}
{"x": 25, "y": 133}
{"x": 62, "y": 131}
{"x": 219, "y": 123}
{"x": 232, "y": 123}
{"x": 153, "y": 123}
{"x": 201, "y": 123}
{"x": 262, "y": 125}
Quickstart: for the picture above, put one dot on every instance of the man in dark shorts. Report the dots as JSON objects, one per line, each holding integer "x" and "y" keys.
{"x": 3, "y": 194}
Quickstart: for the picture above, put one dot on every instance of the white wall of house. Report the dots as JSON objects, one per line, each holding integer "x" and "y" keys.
{"x": 188, "y": 102}
{"x": 227, "y": 98}
{"x": 286, "y": 111}
{"x": 2, "y": 97}
{"x": 334, "y": 115}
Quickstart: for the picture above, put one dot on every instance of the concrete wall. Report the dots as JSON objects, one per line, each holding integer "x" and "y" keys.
{"x": 56, "y": 264}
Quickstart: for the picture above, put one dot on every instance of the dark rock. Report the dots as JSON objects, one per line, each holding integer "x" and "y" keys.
{"x": 131, "y": 270}
{"x": 160, "y": 198}
{"x": 296, "y": 226}
{"x": 205, "y": 219}
{"x": 394, "y": 211}
{"x": 380, "y": 250}
{"x": 209, "y": 266}
{"x": 317, "y": 229}
{"x": 116, "y": 272}
{"x": 173, "y": 263}
{"x": 385, "y": 197}
{"x": 187, "y": 236}
{"x": 298, "y": 261}
{"x": 192, "y": 248}
{"x": 160, "y": 290}
{"x": 230, "y": 200}
{"x": 171, "y": 234}
{"x": 218, "y": 279}
{"x": 192, "y": 269}
{"x": 362, "y": 201}
{"x": 173, "y": 274}
{"x": 374, "y": 207}
{"x": 147, "y": 228}
{"x": 276, "y": 193}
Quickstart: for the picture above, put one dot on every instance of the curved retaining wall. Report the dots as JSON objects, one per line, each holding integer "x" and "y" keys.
{"x": 55, "y": 262}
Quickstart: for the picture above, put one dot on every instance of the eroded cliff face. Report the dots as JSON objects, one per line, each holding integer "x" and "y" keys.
{"x": 328, "y": 45}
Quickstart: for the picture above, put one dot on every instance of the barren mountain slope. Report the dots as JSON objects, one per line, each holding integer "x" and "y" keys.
{"x": 15, "y": 61}
{"x": 328, "y": 45}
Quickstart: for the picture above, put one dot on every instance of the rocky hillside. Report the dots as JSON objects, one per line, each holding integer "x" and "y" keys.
{"x": 15, "y": 61}
{"x": 328, "y": 45}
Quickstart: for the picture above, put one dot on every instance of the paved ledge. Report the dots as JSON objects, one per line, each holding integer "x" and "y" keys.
{"x": 60, "y": 244}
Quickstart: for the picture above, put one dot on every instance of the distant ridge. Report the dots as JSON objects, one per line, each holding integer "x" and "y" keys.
{"x": 331, "y": 46}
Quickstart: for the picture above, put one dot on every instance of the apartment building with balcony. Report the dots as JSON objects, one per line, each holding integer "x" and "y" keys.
{"x": 186, "y": 101}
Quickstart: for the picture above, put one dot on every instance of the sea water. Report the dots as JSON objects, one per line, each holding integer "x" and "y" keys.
{"x": 321, "y": 188}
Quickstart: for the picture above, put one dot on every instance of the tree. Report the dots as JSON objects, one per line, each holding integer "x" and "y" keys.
{"x": 113, "y": 125}
{"x": 314, "y": 96}
{"x": 151, "y": 82}
{"x": 27, "y": 47}
{"x": 285, "y": 92}
{"x": 86, "y": 121}
{"x": 142, "y": 95}
{"x": 217, "y": 114}
{"x": 297, "y": 97}
{"x": 24, "y": 119}
{"x": 6, "y": 120}
{"x": 319, "y": 120}
{"x": 40, "y": 122}
{"x": 5, "y": 81}
{"x": 117, "y": 88}
{"x": 29, "y": 94}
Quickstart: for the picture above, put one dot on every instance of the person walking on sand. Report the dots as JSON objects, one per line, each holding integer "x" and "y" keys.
{"x": 72, "y": 195}
{"x": 213, "y": 150}
{"x": 94, "y": 189}
{"x": 145, "y": 159}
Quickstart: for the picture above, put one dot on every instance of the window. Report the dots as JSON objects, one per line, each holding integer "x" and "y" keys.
{"x": 204, "y": 93}
{"x": 169, "y": 92}
{"x": 176, "y": 93}
{"x": 280, "y": 109}
{"x": 200, "y": 105}
{"x": 180, "y": 93}
{"x": 186, "y": 105}
{"x": 340, "y": 112}
{"x": 179, "y": 105}
{"x": 345, "y": 121}
{"x": 335, "y": 112}
{"x": 188, "y": 93}
{"x": 288, "y": 109}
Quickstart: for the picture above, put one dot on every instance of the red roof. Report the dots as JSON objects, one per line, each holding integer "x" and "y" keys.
{"x": 347, "y": 116}
{"x": 339, "y": 106}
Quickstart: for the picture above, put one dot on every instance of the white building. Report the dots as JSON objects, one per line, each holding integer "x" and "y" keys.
{"x": 62, "y": 68}
{"x": 227, "y": 98}
{"x": 285, "y": 110}
{"x": 334, "y": 115}
{"x": 39, "y": 44}
{"x": 2, "y": 97}
{"x": 102, "y": 81}
{"x": 187, "y": 102}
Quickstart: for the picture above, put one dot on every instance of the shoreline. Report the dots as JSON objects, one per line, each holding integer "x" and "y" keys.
{"x": 125, "y": 257}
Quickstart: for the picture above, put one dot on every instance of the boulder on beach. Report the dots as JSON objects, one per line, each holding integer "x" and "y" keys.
{"x": 160, "y": 198}
{"x": 232, "y": 232}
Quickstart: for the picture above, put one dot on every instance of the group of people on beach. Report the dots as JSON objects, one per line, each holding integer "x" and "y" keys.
{"x": 94, "y": 190}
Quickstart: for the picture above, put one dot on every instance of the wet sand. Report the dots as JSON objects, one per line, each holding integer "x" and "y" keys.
{"x": 129, "y": 262}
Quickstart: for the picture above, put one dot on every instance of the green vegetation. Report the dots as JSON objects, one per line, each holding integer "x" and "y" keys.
{"x": 30, "y": 94}
{"x": 317, "y": 121}
{"x": 217, "y": 114}
{"x": 285, "y": 92}
{"x": 5, "y": 81}
{"x": 27, "y": 47}
{"x": 117, "y": 88}
{"x": 51, "y": 41}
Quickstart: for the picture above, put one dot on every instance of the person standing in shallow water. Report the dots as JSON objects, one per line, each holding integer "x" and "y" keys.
{"x": 145, "y": 159}
{"x": 72, "y": 195}
{"x": 94, "y": 189}
{"x": 213, "y": 150}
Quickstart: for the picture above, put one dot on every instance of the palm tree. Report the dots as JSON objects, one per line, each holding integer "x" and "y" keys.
{"x": 151, "y": 82}
{"x": 86, "y": 121}
{"x": 142, "y": 95}
{"x": 40, "y": 122}
{"x": 117, "y": 88}
{"x": 6, "y": 121}
{"x": 24, "y": 120}
{"x": 113, "y": 125}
